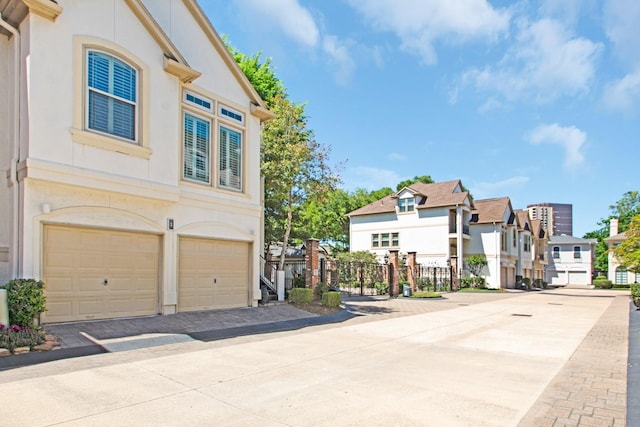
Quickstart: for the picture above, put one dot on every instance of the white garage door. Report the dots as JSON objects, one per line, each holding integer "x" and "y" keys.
{"x": 579, "y": 278}
{"x": 99, "y": 274}
{"x": 212, "y": 274}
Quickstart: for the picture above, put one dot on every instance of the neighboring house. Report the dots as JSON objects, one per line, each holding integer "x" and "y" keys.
{"x": 570, "y": 260}
{"x": 539, "y": 249}
{"x": 131, "y": 144}
{"x": 617, "y": 273}
{"x": 524, "y": 266}
{"x": 429, "y": 219}
{"x": 494, "y": 235}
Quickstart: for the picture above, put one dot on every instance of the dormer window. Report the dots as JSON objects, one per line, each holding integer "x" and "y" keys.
{"x": 406, "y": 205}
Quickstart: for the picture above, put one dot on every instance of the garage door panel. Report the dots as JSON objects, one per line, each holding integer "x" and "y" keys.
{"x": 78, "y": 260}
{"x": 212, "y": 274}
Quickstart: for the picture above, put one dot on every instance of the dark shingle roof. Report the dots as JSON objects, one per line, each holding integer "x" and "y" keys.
{"x": 490, "y": 210}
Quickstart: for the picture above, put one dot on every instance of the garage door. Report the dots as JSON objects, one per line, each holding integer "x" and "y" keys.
{"x": 99, "y": 274}
{"x": 578, "y": 278}
{"x": 212, "y": 274}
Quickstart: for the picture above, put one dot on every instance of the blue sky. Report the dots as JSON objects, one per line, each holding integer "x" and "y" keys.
{"x": 538, "y": 101}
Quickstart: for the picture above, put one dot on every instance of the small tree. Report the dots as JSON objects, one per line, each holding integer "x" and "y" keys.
{"x": 475, "y": 264}
{"x": 628, "y": 252}
{"x": 26, "y": 300}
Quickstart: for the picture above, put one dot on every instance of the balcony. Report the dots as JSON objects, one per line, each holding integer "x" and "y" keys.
{"x": 453, "y": 229}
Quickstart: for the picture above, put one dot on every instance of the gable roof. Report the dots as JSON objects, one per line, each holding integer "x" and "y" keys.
{"x": 564, "y": 239}
{"x": 488, "y": 211}
{"x": 537, "y": 229}
{"x": 523, "y": 219}
{"x": 620, "y": 237}
{"x": 430, "y": 196}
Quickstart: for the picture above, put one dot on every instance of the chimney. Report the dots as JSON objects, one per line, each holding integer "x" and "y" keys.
{"x": 613, "y": 227}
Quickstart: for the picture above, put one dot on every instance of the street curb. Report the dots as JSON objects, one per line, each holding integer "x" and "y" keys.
{"x": 36, "y": 357}
{"x": 633, "y": 367}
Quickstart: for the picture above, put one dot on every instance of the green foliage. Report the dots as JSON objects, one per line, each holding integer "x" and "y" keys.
{"x": 299, "y": 282}
{"x": 474, "y": 282}
{"x": 426, "y": 295}
{"x": 15, "y": 336}
{"x": 359, "y": 256}
{"x": 624, "y": 210}
{"x": 425, "y": 179}
{"x": 527, "y": 282}
{"x": 602, "y": 282}
{"x": 424, "y": 283}
{"x": 26, "y": 300}
{"x": 539, "y": 283}
{"x": 381, "y": 288}
{"x": 320, "y": 289}
{"x": 331, "y": 299}
{"x": 480, "y": 290}
{"x": 635, "y": 293}
{"x": 475, "y": 264}
{"x": 301, "y": 295}
{"x": 628, "y": 252}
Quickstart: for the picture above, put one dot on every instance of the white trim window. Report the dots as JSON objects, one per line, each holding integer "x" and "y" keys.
{"x": 385, "y": 240}
{"x": 556, "y": 252}
{"x": 406, "y": 205}
{"x": 196, "y": 148}
{"x": 230, "y": 158}
{"x": 112, "y": 94}
{"x": 577, "y": 252}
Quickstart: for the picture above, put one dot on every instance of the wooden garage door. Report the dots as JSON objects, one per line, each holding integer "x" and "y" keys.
{"x": 212, "y": 274}
{"x": 99, "y": 274}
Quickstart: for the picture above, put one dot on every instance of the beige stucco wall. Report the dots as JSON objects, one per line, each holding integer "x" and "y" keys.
{"x": 74, "y": 183}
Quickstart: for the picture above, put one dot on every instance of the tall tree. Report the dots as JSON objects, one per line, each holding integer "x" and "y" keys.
{"x": 624, "y": 210}
{"x": 295, "y": 169}
{"x": 425, "y": 179}
{"x": 628, "y": 252}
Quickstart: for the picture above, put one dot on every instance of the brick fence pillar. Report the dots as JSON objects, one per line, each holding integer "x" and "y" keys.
{"x": 312, "y": 261}
{"x": 411, "y": 265}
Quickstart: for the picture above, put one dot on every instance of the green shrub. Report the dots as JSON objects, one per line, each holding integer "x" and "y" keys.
{"x": 527, "y": 282}
{"x": 602, "y": 282}
{"x": 539, "y": 283}
{"x": 299, "y": 282}
{"x": 26, "y": 300}
{"x": 426, "y": 295}
{"x": 635, "y": 292}
{"x": 301, "y": 295}
{"x": 423, "y": 283}
{"x": 331, "y": 299}
{"x": 381, "y": 288}
{"x": 475, "y": 282}
{"x": 320, "y": 289}
{"x": 465, "y": 282}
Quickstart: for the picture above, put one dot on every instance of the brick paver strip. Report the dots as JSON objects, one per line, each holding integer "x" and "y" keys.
{"x": 591, "y": 388}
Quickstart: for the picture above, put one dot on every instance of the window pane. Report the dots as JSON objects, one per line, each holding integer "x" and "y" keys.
{"x": 385, "y": 239}
{"x": 230, "y": 155}
{"x": 196, "y": 148}
{"x": 375, "y": 240}
{"x": 98, "y": 112}
{"x": 124, "y": 117}
{"x": 394, "y": 239}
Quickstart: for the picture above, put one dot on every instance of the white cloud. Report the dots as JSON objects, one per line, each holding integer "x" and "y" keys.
{"x": 287, "y": 15}
{"x": 340, "y": 57}
{"x": 483, "y": 190}
{"x": 624, "y": 94}
{"x": 420, "y": 24}
{"x": 570, "y": 138}
{"x": 369, "y": 178}
{"x": 545, "y": 63}
{"x": 621, "y": 18}
{"x": 397, "y": 156}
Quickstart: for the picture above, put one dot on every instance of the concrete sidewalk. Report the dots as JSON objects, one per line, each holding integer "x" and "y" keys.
{"x": 491, "y": 363}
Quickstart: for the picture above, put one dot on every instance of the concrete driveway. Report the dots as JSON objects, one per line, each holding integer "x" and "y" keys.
{"x": 484, "y": 364}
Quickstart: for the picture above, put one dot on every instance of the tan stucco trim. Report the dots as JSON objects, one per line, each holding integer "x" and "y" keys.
{"x": 80, "y": 44}
{"x": 262, "y": 113}
{"x": 220, "y": 47}
{"x": 177, "y": 65}
{"x": 181, "y": 71}
{"x": 44, "y": 8}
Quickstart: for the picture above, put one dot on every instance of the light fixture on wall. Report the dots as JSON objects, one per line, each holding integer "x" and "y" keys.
{"x": 386, "y": 258}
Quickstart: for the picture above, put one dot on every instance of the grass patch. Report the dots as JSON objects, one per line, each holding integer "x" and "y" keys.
{"x": 472, "y": 290}
{"x": 426, "y": 295}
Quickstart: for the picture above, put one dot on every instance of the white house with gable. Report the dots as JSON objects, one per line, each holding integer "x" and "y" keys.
{"x": 129, "y": 145}
{"x": 570, "y": 260}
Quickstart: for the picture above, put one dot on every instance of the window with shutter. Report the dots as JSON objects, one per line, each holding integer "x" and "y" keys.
{"x": 196, "y": 152}
{"x": 112, "y": 87}
{"x": 230, "y": 159}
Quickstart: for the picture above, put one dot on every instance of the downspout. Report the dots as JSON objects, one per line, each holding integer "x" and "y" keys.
{"x": 497, "y": 237}
{"x": 13, "y": 176}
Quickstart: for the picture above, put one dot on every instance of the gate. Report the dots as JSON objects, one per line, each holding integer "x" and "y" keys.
{"x": 358, "y": 278}
{"x": 294, "y": 273}
{"x": 434, "y": 279}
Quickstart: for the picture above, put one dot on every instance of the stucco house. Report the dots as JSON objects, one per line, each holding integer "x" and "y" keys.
{"x": 494, "y": 235}
{"x": 130, "y": 142}
{"x": 617, "y": 273}
{"x": 539, "y": 248}
{"x": 429, "y": 219}
{"x": 570, "y": 260}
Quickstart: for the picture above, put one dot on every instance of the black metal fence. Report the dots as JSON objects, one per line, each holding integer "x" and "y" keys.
{"x": 434, "y": 279}
{"x": 358, "y": 278}
{"x": 294, "y": 273}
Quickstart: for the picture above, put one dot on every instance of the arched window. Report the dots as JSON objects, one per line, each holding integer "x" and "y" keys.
{"x": 556, "y": 252}
{"x": 112, "y": 93}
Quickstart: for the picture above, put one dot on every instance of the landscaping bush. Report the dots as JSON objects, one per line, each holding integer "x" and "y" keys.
{"x": 301, "y": 295}
{"x": 331, "y": 299}
{"x": 426, "y": 295}
{"x": 299, "y": 282}
{"x": 424, "y": 283}
{"x": 539, "y": 283}
{"x": 473, "y": 282}
{"x": 527, "y": 282}
{"x": 602, "y": 282}
{"x": 26, "y": 300}
{"x": 381, "y": 288}
{"x": 15, "y": 336}
{"x": 320, "y": 289}
{"x": 635, "y": 293}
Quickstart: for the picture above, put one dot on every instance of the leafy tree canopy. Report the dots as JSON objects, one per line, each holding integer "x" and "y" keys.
{"x": 628, "y": 252}
{"x": 425, "y": 179}
{"x": 475, "y": 264}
